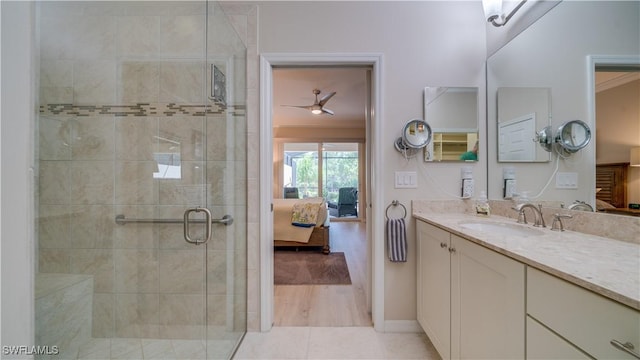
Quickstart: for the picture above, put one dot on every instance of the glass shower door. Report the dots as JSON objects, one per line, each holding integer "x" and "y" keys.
{"x": 226, "y": 123}
{"x": 136, "y": 140}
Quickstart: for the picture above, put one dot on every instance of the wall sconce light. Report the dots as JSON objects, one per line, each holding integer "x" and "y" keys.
{"x": 493, "y": 12}
{"x": 635, "y": 156}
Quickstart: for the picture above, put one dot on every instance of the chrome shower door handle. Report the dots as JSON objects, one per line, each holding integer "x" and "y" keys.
{"x": 187, "y": 234}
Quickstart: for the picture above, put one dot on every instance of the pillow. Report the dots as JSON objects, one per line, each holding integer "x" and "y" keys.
{"x": 305, "y": 214}
{"x": 603, "y": 205}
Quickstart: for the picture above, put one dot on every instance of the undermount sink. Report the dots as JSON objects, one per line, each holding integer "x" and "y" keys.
{"x": 501, "y": 228}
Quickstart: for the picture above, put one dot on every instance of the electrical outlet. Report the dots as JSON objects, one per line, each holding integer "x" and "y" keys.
{"x": 467, "y": 188}
{"x": 509, "y": 188}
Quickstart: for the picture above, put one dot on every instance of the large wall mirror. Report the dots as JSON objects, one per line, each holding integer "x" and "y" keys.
{"x": 452, "y": 113}
{"x": 558, "y": 55}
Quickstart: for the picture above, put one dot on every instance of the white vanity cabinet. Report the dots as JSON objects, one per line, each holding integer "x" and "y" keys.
{"x": 471, "y": 300}
{"x": 434, "y": 286}
{"x": 579, "y": 318}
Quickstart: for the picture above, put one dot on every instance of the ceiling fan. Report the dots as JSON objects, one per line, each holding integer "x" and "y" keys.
{"x": 317, "y": 107}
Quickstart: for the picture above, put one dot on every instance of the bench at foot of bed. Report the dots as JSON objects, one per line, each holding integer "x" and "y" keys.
{"x": 319, "y": 238}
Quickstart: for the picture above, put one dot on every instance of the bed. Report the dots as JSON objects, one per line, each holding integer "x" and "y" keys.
{"x": 287, "y": 235}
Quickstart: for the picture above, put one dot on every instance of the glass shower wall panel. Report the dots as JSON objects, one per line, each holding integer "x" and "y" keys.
{"x": 128, "y": 126}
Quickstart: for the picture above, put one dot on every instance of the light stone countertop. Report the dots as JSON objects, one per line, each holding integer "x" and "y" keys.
{"x": 608, "y": 267}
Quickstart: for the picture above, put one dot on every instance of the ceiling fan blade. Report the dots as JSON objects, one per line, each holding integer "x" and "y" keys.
{"x": 308, "y": 107}
{"x": 327, "y": 111}
{"x": 326, "y": 98}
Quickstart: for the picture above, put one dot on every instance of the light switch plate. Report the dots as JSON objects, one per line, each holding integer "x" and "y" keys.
{"x": 567, "y": 180}
{"x": 406, "y": 180}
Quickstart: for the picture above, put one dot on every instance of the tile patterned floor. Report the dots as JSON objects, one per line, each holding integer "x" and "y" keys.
{"x": 334, "y": 343}
{"x": 121, "y": 348}
{"x": 320, "y": 343}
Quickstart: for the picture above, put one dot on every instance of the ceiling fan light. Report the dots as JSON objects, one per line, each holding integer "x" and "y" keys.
{"x": 316, "y": 111}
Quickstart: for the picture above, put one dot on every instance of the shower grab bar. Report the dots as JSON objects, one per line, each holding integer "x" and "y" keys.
{"x": 122, "y": 220}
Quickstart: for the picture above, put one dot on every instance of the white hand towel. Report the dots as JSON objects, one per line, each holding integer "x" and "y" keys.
{"x": 397, "y": 240}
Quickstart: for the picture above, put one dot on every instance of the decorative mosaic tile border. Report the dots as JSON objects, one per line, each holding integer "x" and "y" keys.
{"x": 142, "y": 109}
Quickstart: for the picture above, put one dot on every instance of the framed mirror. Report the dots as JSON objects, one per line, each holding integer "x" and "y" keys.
{"x": 453, "y": 115}
{"x": 522, "y": 112}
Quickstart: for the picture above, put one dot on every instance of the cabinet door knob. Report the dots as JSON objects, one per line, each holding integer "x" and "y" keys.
{"x": 443, "y": 245}
{"x": 452, "y": 250}
{"x": 626, "y": 347}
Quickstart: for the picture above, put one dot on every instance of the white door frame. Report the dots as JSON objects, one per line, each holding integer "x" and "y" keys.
{"x": 267, "y": 61}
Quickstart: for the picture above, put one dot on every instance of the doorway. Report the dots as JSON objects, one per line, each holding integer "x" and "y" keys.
{"x": 617, "y": 113}
{"x": 374, "y": 249}
{"x": 613, "y": 95}
{"x": 316, "y": 156}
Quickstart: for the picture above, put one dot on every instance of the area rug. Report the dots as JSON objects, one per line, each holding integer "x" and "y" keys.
{"x": 310, "y": 268}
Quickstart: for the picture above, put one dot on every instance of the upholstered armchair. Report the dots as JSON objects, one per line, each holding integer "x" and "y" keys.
{"x": 347, "y": 203}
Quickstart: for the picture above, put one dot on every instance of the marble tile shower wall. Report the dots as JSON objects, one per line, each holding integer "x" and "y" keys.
{"x": 120, "y": 82}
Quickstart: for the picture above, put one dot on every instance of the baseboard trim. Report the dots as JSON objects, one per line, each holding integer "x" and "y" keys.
{"x": 402, "y": 326}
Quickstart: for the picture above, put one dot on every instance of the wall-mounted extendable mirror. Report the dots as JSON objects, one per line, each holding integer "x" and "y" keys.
{"x": 416, "y": 134}
{"x": 453, "y": 114}
{"x": 572, "y": 136}
{"x": 522, "y": 111}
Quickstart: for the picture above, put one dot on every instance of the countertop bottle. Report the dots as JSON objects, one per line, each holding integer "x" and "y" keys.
{"x": 482, "y": 205}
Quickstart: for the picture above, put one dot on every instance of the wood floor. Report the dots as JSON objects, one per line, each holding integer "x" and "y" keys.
{"x": 330, "y": 305}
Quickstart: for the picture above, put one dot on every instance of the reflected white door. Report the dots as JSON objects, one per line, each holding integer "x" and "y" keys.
{"x": 516, "y": 139}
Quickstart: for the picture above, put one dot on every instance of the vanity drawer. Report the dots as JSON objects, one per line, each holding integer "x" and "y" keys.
{"x": 543, "y": 344}
{"x": 587, "y": 320}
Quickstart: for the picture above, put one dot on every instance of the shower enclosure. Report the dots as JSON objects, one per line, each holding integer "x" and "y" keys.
{"x": 141, "y": 202}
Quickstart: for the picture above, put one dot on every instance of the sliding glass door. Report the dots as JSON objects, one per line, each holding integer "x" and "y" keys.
{"x": 301, "y": 169}
{"x": 340, "y": 168}
{"x": 321, "y": 169}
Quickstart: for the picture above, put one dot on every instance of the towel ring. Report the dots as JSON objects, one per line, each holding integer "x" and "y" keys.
{"x": 395, "y": 203}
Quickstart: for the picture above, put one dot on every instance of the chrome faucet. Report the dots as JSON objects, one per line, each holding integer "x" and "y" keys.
{"x": 557, "y": 221}
{"x": 537, "y": 211}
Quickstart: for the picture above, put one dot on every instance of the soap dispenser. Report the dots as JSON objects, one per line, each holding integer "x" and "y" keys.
{"x": 482, "y": 205}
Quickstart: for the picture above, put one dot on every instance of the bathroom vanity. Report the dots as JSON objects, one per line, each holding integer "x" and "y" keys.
{"x": 491, "y": 288}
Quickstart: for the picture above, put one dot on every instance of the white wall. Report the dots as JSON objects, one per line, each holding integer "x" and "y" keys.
{"x": 525, "y": 16}
{"x": 553, "y": 53}
{"x": 17, "y": 154}
{"x": 424, "y": 44}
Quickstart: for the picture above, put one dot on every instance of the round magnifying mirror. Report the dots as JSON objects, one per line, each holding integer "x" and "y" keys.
{"x": 416, "y": 133}
{"x": 573, "y": 135}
